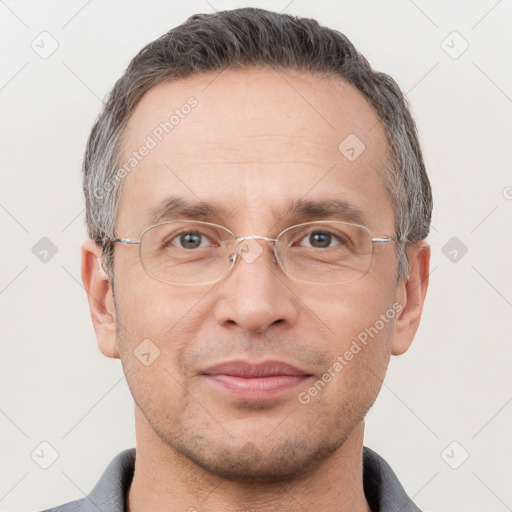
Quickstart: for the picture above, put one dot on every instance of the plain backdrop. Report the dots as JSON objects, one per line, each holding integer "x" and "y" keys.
{"x": 444, "y": 415}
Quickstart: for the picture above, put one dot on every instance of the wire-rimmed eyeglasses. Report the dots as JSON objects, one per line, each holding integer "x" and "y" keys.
{"x": 191, "y": 253}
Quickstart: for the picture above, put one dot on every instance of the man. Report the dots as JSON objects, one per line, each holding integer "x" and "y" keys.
{"x": 257, "y": 206}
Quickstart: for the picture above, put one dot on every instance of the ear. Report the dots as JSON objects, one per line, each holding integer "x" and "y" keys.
{"x": 100, "y": 298}
{"x": 411, "y": 296}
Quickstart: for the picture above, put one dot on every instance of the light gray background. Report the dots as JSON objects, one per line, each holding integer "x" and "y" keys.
{"x": 453, "y": 385}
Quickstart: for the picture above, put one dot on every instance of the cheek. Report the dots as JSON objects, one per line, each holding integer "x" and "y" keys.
{"x": 152, "y": 346}
{"x": 360, "y": 319}
{"x": 349, "y": 310}
{"x": 151, "y": 308}
{"x": 157, "y": 326}
{"x": 352, "y": 380}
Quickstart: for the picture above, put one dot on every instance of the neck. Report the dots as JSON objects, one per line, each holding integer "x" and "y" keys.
{"x": 164, "y": 480}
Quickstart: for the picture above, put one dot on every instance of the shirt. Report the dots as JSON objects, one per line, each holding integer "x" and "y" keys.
{"x": 382, "y": 489}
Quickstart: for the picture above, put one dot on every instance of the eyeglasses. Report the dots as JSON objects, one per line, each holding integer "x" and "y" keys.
{"x": 191, "y": 253}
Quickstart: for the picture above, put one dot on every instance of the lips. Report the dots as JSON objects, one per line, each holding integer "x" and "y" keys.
{"x": 249, "y": 371}
{"x": 253, "y": 382}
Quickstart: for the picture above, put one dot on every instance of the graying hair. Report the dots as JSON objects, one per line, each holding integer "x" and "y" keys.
{"x": 251, "y": 37}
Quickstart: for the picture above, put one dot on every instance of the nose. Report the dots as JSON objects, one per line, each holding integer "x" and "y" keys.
{"x": 255, "y": 296}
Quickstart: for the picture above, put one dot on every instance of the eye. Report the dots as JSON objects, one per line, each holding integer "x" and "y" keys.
{"x": 321, "y": 239}
{"x": 190, "y": 240}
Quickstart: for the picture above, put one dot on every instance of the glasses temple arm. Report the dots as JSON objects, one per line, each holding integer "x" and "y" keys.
{"x": 127, "y": 241}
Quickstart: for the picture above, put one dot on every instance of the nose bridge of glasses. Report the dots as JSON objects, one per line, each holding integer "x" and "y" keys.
{"x": 248, "y": 251}
{"x": 241, "y": 239}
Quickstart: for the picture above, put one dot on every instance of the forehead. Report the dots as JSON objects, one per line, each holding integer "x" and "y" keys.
{"x": 251, "y": 141}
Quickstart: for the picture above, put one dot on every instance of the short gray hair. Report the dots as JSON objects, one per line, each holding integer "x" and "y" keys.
{"x": 251, "y": 37}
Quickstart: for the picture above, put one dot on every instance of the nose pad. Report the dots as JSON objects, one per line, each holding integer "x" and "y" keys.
{"x": 249, "y": 250}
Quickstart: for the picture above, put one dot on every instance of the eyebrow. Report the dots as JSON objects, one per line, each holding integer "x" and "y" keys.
{"x": 296, "y": 210}
{"x": 176, "y": 207}
{"x": 336, "y": 209}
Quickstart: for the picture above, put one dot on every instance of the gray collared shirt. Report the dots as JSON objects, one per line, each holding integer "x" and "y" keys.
{"x": 381, "y": 486}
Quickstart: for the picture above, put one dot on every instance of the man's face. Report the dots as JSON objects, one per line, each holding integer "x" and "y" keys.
{"x": 257, "y": 140}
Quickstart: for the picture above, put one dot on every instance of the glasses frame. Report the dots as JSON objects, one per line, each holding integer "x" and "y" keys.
{"x": 239, "y": 240}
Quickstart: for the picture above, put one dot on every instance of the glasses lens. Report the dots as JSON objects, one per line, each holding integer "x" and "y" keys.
{"x": 325, "y": 252}
{"x": 186, "y": 252}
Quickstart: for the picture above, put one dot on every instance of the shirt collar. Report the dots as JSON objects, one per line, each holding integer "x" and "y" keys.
{"x": 381, "y": 486}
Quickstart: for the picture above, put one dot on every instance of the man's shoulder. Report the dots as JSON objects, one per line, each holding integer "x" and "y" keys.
{"x": 110, "y": 491}
{"x": 72, "y": 506}
{"x": 382, "y": 488}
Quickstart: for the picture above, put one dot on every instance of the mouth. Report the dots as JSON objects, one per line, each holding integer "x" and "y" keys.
{"x": 255, "y": 382}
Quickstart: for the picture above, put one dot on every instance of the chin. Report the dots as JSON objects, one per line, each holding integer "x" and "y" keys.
{"x": 278, "y": 461}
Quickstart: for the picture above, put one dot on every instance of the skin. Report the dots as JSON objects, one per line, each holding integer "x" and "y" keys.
{"x": 253, "y": 143}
